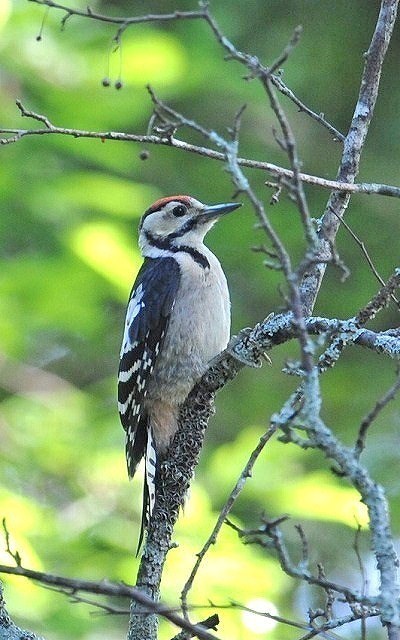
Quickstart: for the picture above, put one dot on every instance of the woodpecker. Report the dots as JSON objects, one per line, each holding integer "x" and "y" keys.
{"x": 177, "y": 320}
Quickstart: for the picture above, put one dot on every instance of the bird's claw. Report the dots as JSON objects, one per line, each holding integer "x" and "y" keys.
{"x": 244, "y": 339}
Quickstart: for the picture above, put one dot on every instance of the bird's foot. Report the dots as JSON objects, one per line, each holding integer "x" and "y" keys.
{"x": 239, "y": 347}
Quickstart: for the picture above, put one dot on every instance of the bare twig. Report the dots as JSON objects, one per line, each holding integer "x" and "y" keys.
{"x": 15, "y": 134}
{"x": 353, "y": 145}
{"x": 336, "y": 623}
{"x": 380, "y": 300}
{"x": 209, "y": 623}
{"x": 297, "y": 186}
{"x": 121, "y": 20}
{"x": 258, "y": 70}
{"x": 237, "y": 489}
{"x": 314, "y": 629}
{"x": 75, "y": 598}
{"x": 373, "y": 414}
{"x": 318, "y": 117}
{"x": 14, "y": 554}
{"x": 368, "y": 258}
{"x": 251, "y": 61}
{"x": 283, "y": 56}
{"x": 269, "y": 533}
{"x": 106, "y": 587}
{"x": 310, "y": 233}
{"x": 364, "y": 580}
{"x": 348, "y": 333}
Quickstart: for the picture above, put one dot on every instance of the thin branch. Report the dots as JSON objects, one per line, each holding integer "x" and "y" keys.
{"x": 258, "y": 70}
{"x": 318, "y": 117}
{"x": 209, "y": 623}
{"x": 121, "y": 20}
{"x": 335, "y": 623}
{"x": 350, "y": 332}
{"x": 380, "y": 300}
{"x": 251, "y": 61}
{"x": 270, "y": 616}
{"x": 291, "y": 150}
{"x": 368, "y": 258}
{"x": 310, "y": 233}
{"x": 75, "y": 598}
{"x": 106, "y": 587}
{"x": 269, "y": 533}
{"x": 366, "y": 188}
{"x": 283, "y": 56}
{"x": 361, "y": 188}
{"x": 237, "y": 489}
{"x": 353, "y": 145}
{"x": 364, "y": 579}
{"x": 14, "y": 554}
{"x": 25, "y": 113}
{"x": 373, "y": 414}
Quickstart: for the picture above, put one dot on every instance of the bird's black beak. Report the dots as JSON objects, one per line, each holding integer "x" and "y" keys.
{"x": 213, "y": 211}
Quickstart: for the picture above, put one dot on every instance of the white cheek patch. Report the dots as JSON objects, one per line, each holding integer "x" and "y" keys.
{"x": 160, "y": 225}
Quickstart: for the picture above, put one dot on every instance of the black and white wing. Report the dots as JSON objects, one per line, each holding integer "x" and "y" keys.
{"x": 150, "y": 304}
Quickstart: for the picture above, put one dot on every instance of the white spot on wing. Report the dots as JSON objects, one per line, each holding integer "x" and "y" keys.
{"x": 123, "y": 407}
{"x": 124, "y": 376}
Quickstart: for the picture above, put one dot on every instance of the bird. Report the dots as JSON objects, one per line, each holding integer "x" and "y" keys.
{"x": 177, "y": 321}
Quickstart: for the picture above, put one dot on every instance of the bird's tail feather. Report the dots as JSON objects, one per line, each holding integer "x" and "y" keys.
{"x": 149, "y": 485}
{"x": 135, "y": 447}
{"x": 151, "y": 468}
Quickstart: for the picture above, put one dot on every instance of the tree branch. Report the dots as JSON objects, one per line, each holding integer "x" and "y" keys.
{"x": 367, "y": 188}
{"x": 250, "y": 61}
{"x": 237, "y": 489}
{"x": 269, "y": 533}
{"x": 182, "y": 457}
{"x": 121, "y": 20}
{"x": 353, "y": 145}
{"x": 106, "y": 587}
{"x": 373, "y": 414}
{"x": 303, "y": 407}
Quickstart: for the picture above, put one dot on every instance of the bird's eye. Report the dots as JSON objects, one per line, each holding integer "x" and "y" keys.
{"x": 179, "y": 210}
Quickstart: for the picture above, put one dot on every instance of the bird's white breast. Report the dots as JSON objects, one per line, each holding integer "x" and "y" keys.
{"x": 199, "y": 324}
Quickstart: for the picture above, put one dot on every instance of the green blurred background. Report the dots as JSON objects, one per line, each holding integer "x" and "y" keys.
{"x": 70, "y": 209}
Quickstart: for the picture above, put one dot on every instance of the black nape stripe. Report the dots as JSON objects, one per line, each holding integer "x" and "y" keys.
{"x": 196, "y": 255}
{"x": 167, "y": 245}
